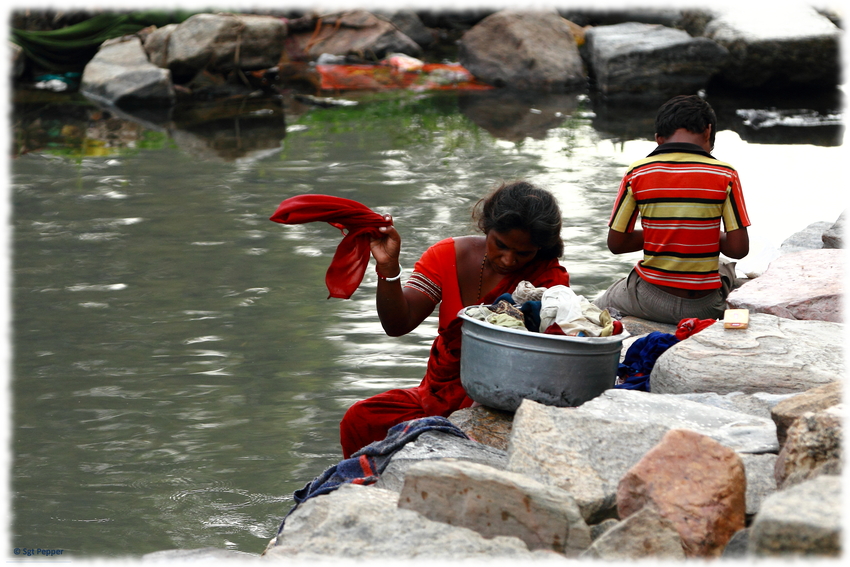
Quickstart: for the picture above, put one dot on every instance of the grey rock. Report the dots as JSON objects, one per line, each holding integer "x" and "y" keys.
{"x": 736, "y": 547}
{"x": 812, "y": 447}
{"x": 785, "y": 413}
{"x": 760, "y": 480}
{"x": 740, "y": 432}
{"x": 801, "y": 521}
{"x": 583, "y": 454}
{"x": 523, "y": 50}
{"x": 121, "y": 75}
{"x": 363, "y": 522}
{"x": 223, "y": 42}
{"x": 637, "y": 326}
{"x": 759, "y": 404}
{"x": 774, "y": 355}
{"x": 801, "y": 285}
{"x": 833, "y": 237}
{"x": 434, "y": 445}
{"x": 156, "y": 45}
{"x": 810, "y": 238}
{"x": 410, "y": 25}
{"x": 632, "y": 58}
{"x": 777, "y": 48}
{"x": 356, "y": 33}
{"x": 17, "y": 58}
{"x": 644, "y": 534}
{"x": 496, "y": 502}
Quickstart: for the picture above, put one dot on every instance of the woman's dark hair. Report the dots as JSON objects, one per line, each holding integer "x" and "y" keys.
{"x": 521, "y": 205}
{"x": 685, "y": 111}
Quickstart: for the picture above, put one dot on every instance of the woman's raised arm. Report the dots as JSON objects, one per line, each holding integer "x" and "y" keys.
{"x": 400, "y": 309}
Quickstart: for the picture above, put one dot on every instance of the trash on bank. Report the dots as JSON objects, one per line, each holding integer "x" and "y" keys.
{"x": 396, "y": 72}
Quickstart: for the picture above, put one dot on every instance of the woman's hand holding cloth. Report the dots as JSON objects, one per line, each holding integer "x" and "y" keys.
{"x": 357, "y": 222}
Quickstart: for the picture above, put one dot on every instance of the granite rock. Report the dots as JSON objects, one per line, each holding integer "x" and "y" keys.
{"x": 803, "y": 521}
{"x": 645, "y": 534}
{"x": 773, "y": 355}
{"x": 694, "y": 482}
{"x": 800, "y": 285}
{"x": 812, "y": 447}
{"x": 786, "y": 412}
{"x": 495, "y": 502}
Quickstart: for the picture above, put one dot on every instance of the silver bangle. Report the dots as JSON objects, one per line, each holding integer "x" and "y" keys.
{"x": 393, "y": 279}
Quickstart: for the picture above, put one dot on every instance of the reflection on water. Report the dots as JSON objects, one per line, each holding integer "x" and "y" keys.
{"x": 178, "y": 370}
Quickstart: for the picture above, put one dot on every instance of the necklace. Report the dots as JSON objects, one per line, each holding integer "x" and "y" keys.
{"x": 481, "y": 276}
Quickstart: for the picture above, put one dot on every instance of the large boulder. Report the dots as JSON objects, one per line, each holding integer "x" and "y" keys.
{"x": 523, "y": 50}
{"x": 801, "y": 285}
{"x": 693, "y": 481}
{"x": 812, "y": 448}
{"x": 495, "y": 502}
{"x": 773, "y": 355}
{"x": 786, "y": 412}
{"x": 120, "y": 74}
{"x": 363, "y": 522}
{"x": 792, "y": 47}
{"x": 802, "y": 521}
{"x": 156, "y": 45}
{"x": 354, "y": 33}
{"x": 633, "y": 58}
{"x": 738, "y": 431}
{"x": 810, "y": 238}
{"x": 583, "y": 454}
{"x": 221, "y": 43}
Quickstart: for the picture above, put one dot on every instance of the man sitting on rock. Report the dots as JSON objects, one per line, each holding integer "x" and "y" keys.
{"x": 681, "y": 192}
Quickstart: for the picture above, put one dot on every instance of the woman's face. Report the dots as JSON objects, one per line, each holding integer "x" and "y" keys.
{"x": 510, "y": 251}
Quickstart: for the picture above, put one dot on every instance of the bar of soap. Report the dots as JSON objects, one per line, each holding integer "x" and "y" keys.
{"x": 736, "y": 319}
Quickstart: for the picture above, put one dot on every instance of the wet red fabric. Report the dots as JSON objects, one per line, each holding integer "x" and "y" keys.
{"x": 691, "y": 326}
{"x": 440, "y": 392}
{"x": 356, "y": 221}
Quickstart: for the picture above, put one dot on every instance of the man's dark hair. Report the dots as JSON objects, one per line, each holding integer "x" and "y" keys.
{"x": 685, "y": 111}
{"x": 521, "y": 205}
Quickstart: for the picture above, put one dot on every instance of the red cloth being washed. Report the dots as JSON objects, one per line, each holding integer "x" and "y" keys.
{"x": 356, "y": 221}
{"x": 440, "y": 392}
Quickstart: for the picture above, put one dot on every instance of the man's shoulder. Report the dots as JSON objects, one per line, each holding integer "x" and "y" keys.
{"x": 680, "y": 159}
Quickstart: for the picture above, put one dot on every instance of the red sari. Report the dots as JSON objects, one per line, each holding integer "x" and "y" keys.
{"x": 440, "y": 392}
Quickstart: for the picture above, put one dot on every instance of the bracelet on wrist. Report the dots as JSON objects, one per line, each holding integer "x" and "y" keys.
{"x": 392, "y": 279}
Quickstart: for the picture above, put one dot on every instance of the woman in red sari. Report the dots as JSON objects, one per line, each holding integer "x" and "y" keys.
{"x": 521, "y": 226}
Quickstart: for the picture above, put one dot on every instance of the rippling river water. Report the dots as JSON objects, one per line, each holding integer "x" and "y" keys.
{"x": 177, "y": 369}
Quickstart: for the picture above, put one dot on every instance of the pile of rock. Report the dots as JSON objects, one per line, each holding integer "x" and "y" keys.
{"x": 523, "y": 50}
{"x": 736, "y": 452}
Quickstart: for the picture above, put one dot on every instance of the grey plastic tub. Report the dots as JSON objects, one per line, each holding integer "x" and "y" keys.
{"x": 499, "y": 367}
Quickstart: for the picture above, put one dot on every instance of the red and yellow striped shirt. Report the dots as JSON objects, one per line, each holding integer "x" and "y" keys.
{"x": 681, "y": 193}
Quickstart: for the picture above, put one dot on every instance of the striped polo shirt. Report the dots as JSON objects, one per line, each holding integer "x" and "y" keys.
{"x": 681, "y": 193}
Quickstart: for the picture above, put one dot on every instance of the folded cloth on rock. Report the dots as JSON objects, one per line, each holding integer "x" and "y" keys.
{"x": 633, "y": 373}
{"x": 691, "y": 326}
{"x": 366, "y": 465}
{"x": 356, "y": 221}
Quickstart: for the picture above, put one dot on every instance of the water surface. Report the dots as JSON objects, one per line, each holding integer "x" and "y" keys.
{"x": 178, "y": 370}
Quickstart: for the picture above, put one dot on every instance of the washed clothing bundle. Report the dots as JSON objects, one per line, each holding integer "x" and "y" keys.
{"x": 556, "y": 311}
{"x": 636, "y": 367}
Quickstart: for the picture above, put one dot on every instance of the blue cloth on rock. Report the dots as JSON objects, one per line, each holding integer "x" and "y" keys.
{"x": 637, "y": 365}
{"x": 366, "y": 465}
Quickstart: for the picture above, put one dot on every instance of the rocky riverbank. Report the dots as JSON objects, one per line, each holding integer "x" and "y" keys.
{"x": 613, "y": 53}
{"x": 735, "y": 453}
